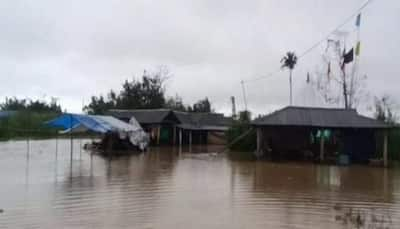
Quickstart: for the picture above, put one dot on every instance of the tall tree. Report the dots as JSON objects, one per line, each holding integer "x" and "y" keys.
{"x": 203, "y": 105}
{"x": 338, "y": 79}
{"x": 289, "y": 61}
{"x": 175, "y": 103}
{"x": 146, "y": 93}
{"x": 384, "y": 109}
{"x": 16, "y": 104}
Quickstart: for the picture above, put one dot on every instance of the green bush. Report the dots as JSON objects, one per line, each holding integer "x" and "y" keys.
{"x": 247, "y": 143}
{"x": 27, "y": 124}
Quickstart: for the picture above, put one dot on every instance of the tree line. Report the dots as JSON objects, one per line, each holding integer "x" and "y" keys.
{"x": 145, "y": 93}
{"x": 15, "y": 104}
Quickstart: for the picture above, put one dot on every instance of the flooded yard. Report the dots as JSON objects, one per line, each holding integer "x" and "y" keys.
{"x": 166, "y": 188}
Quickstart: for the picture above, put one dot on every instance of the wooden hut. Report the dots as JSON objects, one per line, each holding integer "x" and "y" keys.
{"x": 169, "y": 127}
{"x": 320, "y": 134}
{"x": 159, "y": 123}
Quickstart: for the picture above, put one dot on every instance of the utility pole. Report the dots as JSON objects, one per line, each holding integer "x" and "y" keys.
{"x": 233, "y": 107}
{"x": 244, "y": 95}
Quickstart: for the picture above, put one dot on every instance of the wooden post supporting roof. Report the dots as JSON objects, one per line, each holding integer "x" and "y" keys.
{"x": 180, "y": 137}
{"x": 385, "y": 148}
{"x": 174, "y": 135}
{"x": 259, "y": 139}
{"x": 71, "y": 138}
{"x": 190, "y": 140}
{"x": 322, "y": 146}
{"x": 158, "y": 134}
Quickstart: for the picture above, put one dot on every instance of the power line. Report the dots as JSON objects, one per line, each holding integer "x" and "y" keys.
{"x": 337, "y": 28}
{"x": 315, "y": 45}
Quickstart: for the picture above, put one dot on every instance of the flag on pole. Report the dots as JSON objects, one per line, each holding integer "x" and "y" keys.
{"x": 348, "y": 57}
{"x": 358, "y": 47}
{"x": 358, "y": 20}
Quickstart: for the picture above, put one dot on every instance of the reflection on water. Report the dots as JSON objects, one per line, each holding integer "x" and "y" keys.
{"x": 171, "y": 188}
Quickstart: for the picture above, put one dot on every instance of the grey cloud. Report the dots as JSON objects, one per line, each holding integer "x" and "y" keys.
{"x": 74, "y": 49}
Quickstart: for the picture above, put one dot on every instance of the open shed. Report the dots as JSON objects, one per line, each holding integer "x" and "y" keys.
{"x": 320, "y": 134}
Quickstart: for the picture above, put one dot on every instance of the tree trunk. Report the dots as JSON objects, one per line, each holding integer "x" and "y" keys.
{"x": 345, "y": 92}
{"x": 290, "y": 83}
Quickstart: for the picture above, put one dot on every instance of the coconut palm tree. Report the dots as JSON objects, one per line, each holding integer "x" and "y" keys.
{"x": 289, "y": 61}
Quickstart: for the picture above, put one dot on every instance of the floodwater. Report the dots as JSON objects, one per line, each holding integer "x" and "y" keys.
{"x": 169, "y": 189}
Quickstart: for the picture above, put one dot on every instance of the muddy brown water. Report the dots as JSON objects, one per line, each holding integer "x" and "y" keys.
{"x": 169, "y": 189}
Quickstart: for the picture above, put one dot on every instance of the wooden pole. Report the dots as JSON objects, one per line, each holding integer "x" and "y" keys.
{"x": 174, "y": 136}
{"x": 385, "y": 148}
{"x": 158, "y": 134}
{"x": 322, "y": 145}
{"x": 290, "y": 83}
{"x": 71, "y": 139}
{"x": 244, "y": 95}
{"x": 27, "y": 147}
{"x": 190, "y": 140}
{"x": 258, "y": 140}
{"x": 56, "y": 147}
{"x": 80, "y": 148}
{"x": 180, "y": 137}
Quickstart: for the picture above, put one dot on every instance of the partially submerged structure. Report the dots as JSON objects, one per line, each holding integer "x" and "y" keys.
{"x": 116, "y": 134}
{"x": 170, "y": 127}
{"x": 320, "y": 134}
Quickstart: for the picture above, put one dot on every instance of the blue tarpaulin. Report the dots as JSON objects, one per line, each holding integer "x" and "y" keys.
{"x": 101, "y": 124}
{"x": 95, "y": 123}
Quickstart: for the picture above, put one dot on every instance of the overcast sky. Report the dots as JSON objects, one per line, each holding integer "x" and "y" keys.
{"x": 74, "y": 49}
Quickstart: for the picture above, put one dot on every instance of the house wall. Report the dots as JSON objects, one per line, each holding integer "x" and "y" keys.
{"x": 216, "y": 138}
{"x": 296, "y": 143}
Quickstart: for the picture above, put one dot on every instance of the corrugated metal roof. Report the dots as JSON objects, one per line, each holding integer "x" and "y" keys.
{"x": 318, "y": 117}
{"x": 186, "y": 120}
{"x": 143, "y": 116}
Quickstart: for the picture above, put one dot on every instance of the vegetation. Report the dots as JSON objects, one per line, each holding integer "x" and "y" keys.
{"x": 14, "y": 104}
{"x": 25, "y": 124}
{"x": 289, "y": 61}
{"x": 147, "y": 93}
{"x": 384, "y": 109}
{"x": 242, "y": 148}
{"x": 337, "y": 84}
{"x": 28, "y": 119}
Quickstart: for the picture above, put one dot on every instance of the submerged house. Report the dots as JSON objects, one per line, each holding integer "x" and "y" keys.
{"x": 169, "y": 127}
{"x": 320, "y": 134}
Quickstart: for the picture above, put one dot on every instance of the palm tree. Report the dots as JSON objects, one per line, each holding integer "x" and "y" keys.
{"x": 289, "y": 61}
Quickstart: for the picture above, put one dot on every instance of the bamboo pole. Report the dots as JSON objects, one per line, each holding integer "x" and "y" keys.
{"x": 158, "y": 134}
{"x": 180, "y": 137}
{"x": 258, "y": 140}
{"x": 385, "y": 148}
{"x": 190, "y": 140}
{"x": 322, "y": 147}
{"x": 71, "y": 138}
{"x": 56, "y": 147}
